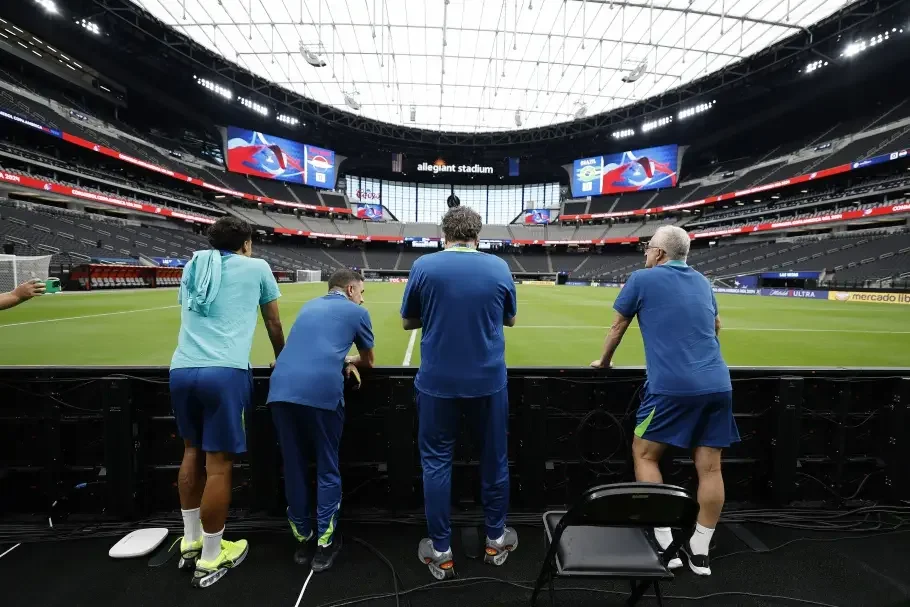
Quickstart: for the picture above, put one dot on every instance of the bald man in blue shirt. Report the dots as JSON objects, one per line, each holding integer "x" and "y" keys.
{"x": 462, "y": 299}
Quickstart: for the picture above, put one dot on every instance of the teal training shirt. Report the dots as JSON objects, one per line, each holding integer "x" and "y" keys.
{"x": 224, "y": 337}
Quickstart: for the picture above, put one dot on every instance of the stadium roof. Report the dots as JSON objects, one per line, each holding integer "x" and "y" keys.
{"x": 485, "y": 65}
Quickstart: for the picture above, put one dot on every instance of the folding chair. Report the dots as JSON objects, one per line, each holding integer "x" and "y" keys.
{"x": 606, "y": 535}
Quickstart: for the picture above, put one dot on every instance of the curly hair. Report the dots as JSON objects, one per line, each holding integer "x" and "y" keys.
{"x": 461, "y": 224}
{"x": 229, "y": 234}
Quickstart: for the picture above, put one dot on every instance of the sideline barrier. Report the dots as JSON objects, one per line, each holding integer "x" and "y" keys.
{"x": 876, "y": 297}
{"x": 870, "y": 296}
{"x": 104, "y": 440}
{"x": 800, "y": 293}
{"x": 736, "y": 291}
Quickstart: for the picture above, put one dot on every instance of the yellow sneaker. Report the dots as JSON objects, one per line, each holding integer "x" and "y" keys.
{"x": 189, "y": 552}
{"x": 209, "y": 572}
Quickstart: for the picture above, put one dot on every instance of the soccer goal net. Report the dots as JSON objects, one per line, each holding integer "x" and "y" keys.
{"x": 309, "y": 275}
{"x": 16, "y": 269}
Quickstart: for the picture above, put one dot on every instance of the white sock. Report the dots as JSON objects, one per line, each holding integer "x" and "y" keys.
{"x": 192, "y": 525}
{"x": 211, "y": 545}
{"x": 664, "y": 536}
{"x": 501, "y": 538}
{"x": 701, "y": 539}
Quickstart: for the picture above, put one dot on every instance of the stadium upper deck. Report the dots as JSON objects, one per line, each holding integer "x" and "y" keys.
{"x": 825, "y": 156}
{"x": 80, "y": 151}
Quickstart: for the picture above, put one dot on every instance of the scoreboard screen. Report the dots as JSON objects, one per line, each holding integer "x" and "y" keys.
{"x": 271, "y": 157}
{"x": 630, "y": 171}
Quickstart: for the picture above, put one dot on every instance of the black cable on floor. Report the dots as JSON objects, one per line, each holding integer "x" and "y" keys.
{"x": 396, "y": 579}
{"x": 528, "y": 586}
{"x": 808, "y": 539}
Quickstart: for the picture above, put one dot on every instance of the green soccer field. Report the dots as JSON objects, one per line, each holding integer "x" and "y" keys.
{"x": 557, "y": 326}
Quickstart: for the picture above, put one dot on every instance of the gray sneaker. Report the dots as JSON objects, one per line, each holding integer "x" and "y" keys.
{"x": 441, "y": 565}
{"x": 497, "y": 552}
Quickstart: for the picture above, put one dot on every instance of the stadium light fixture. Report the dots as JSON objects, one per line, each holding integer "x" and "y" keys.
{"x": 48, "y": 5}
{"x": 215, "y": 88}
{"x": 90, "y": 26}
{"x": 698, "y": 109}
{"x": 351, "y": 101}
{"x": 656, "y": 124}
{"x": 814, "y": 66}
{"x": 858, "y": 46}
{"x": 256, "y": 107}
{"x": 288, "y": 119}
{"x": 623, "y": 133}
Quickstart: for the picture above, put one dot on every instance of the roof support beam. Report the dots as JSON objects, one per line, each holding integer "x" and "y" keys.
{"x": 721, "y": 15}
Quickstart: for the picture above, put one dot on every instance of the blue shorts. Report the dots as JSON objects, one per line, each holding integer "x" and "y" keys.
{"x": 211, "y": 405}
{"x": 705, "y": 420}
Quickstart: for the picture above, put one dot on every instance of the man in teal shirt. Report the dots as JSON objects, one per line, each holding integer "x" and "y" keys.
{"x": 211, "y": 386}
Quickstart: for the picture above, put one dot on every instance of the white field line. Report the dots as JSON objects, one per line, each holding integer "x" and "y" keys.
{"x": 407, "y": 353}
{"x": 38, "y": 322}
{"x": 795, "y": 330}
{"x": 10, "y": 550}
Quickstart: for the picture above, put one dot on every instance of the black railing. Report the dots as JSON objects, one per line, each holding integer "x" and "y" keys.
{"x": 92, "y": 440}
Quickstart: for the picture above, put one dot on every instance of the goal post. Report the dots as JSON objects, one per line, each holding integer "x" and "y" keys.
{"x": 309, "y": 275}
{"x": 16, "y": 269}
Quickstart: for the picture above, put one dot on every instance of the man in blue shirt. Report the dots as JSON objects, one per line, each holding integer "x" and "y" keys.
{"x": 687, "y": 400}
{"x": 306, "y": 395}
{"x": 211, "y": 385}
{"x": 462, "y": 298}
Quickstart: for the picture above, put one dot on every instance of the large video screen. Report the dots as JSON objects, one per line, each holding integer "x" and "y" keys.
{"x": 271, "y": 157}
{"x": 537, "y": 216}
{"x": 369, "y": 212}
{"x": 632, "y": 171}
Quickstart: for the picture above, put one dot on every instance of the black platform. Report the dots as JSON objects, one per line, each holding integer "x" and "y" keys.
{"x": 856, "y": 572}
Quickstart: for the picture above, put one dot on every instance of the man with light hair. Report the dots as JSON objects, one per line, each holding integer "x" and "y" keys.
{"x": 462, "y": 298}
{"x": 687, "y": 400}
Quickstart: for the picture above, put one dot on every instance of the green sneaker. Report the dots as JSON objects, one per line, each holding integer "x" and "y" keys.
{"x": 209, "y": 572}
{"x": 189, "y": 552}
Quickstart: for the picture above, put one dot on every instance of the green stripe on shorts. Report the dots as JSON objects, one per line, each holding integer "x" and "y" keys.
{"x": 641, "y": 428}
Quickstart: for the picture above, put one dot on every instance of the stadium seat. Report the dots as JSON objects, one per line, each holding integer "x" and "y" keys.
{"x": 604, "y": 535}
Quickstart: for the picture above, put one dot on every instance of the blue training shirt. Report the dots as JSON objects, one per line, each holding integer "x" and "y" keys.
{"x": 676, "y": 309}
{"x": 224, "y": 338}
{"x": 309, "y": 369}
{"x": 462, "y": 297}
